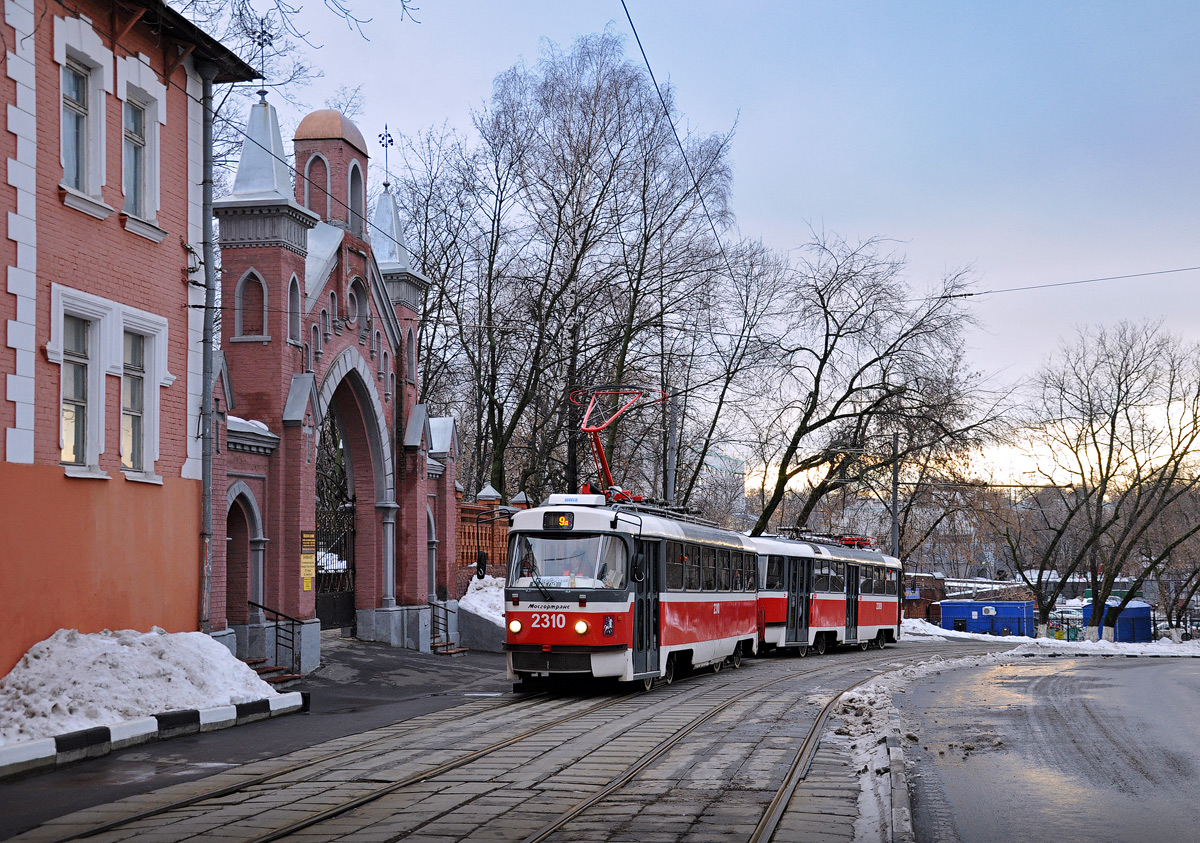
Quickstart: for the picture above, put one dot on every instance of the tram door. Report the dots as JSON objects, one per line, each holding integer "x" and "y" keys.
{"x": 644, "y": 573}
{"x": 851, "y": 603}
{"x": 798, "y": 578}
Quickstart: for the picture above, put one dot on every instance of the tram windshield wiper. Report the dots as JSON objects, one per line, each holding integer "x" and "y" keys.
{"x": 533, "y": 569}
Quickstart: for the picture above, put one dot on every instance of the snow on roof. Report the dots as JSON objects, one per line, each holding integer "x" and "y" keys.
{"x": 246, "y": 425}
{"x": 73, "y": 681}
{"x": 324, "y": 240}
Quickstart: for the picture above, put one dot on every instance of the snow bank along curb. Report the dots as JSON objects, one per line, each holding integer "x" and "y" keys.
{"x": 37, "y": 755}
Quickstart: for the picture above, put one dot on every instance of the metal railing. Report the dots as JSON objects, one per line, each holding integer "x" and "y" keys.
{"x": 285, "y": 635}
{"x": 440, "y": 626}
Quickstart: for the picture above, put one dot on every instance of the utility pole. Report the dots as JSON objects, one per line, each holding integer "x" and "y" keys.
{"x": 208, "y": 73}
{"x": 896, "y": 494}
{"x": 573, "y": 412}
{"x": 672, "y": 444}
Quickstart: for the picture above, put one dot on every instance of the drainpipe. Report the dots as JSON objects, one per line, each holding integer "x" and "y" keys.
{"x": 208, "y": 73}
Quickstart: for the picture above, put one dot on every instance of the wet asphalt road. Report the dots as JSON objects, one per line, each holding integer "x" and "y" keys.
{"x": 1096, "y": 749}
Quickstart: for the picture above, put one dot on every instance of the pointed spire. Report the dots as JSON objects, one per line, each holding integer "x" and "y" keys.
{"x": 262, "y": 172}
{"x": 387, "y": 238}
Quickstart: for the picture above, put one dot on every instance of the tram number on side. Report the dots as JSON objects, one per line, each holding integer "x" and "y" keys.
{"x": 544, "y": 621}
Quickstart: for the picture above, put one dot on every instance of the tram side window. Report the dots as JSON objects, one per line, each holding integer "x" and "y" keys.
{"x": 866, "y": 583}
{"x": 674, "y": 567}
{"x": 691, "y": 567}
{"x": 837, "y": 577}
{"x": 735, "y": 570}
{"x": 892, "y": 576}
{"x": 708, "y": 569}
{"x": 821, "y": 576}
{"x": 774, "y": 572}
{"x": 722, "y": 570}
{"x": 750, "y": 566}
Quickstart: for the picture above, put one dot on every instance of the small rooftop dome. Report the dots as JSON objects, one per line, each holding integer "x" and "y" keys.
{"x": 329, "y": 123}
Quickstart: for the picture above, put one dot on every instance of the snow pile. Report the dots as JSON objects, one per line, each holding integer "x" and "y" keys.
{"x": 485, "y": 597}
{"x": 75, "y": 681}
{"x": 915, "y": 628}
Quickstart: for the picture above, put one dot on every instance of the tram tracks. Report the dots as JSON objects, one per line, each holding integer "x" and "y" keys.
{"x": 699, "y": 703}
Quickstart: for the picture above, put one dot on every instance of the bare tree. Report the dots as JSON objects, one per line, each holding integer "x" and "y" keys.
{"x": 1114, "y": 427}
{"x": 857, "y": 357}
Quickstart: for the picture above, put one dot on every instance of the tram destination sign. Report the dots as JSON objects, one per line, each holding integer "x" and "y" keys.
{"x": 558, "y": 521}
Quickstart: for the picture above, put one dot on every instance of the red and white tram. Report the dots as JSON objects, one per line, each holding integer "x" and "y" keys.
{"x": 817, "y": 595}
{"x": 622, "y": 592}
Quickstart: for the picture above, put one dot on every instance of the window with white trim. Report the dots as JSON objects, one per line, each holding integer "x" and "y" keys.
{"x": 134, "y": 160}
{"x": 75, "y": 106}
{"x": 143, "y": 114}
{"x": 85, "y": 77}
{"x": 74, "y": 409}
{"x": 133, "y": 403}
{"x": 90, "y": 338}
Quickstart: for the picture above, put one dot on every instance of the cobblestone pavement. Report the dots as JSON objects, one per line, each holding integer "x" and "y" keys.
{"x": 713, "y": 784}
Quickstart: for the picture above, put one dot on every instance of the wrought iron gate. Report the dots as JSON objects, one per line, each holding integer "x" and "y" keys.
{"x": 335, "y": 530}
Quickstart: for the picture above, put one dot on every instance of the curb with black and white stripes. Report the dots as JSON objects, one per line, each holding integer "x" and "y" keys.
{"x": 46, "y": 753}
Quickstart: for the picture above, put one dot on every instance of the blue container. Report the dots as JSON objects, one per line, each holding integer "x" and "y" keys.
{"x": 1133, "y": 624}
{"x": 989, "y": 617}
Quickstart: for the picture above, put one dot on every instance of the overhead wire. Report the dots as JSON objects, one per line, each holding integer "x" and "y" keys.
{"x": 1069, "y": 283}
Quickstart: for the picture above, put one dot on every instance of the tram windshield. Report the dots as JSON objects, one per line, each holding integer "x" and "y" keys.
{"x": 578, "y": 561}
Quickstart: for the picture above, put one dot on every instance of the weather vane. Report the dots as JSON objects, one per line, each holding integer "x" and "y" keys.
{"x": 386, "y": 140}
{"x": 263, "y": 38}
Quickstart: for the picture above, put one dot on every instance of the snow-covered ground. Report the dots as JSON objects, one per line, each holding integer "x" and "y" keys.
{"x": 485, "y": 597}
{"x": 869, "y": 714}
{"x": 75, "y": 681}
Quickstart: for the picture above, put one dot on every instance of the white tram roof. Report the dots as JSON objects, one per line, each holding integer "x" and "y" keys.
{"x": 598, "y": 518}
{"x": 779, "y": 546}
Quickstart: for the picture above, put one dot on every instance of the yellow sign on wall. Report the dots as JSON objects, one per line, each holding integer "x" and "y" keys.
{"x": 308, "y": 557}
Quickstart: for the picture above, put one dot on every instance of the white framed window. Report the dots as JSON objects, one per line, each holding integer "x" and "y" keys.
{"x": 91, "y": 337}
{"x": 143, "y": 114}
{"x": 74, "y": 401}
{"x": 85, "y": 78}
{"x": 134, "y": 160}
{"x": 75, "y": 108}
{"x": 133, "y": 404}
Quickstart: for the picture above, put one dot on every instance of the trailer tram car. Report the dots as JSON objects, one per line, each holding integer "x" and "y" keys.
{"x": 624, "y": 592}
{"x": 817, "y": 595}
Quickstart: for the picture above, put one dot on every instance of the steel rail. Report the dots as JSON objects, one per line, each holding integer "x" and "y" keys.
{"x": 262, "y": 778}
{"x": 379, "y": 793}
{"x": 777, "y": 807}
{"x": 656, "y": 753}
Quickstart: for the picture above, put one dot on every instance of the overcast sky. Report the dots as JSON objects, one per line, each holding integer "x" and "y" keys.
{"x": 1036, "y": 142}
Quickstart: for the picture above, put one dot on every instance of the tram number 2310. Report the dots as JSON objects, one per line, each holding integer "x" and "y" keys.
{"x": 544, "y": 621}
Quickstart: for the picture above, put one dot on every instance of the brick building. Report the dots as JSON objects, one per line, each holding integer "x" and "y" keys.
{"x": 100, "y": 488}
{"x": 323, "y": 436}
{"x": 103, "y": 308}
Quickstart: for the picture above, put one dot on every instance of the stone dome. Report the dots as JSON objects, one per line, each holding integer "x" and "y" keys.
{"x": 329, "y": 123}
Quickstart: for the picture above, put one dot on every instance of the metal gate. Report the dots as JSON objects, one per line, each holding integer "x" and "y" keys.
{"x": 335, "y": 531}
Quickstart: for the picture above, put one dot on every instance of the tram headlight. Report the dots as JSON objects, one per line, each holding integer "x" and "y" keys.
{"x": 514, "y": 626}
{"x": 581, "y": 626}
